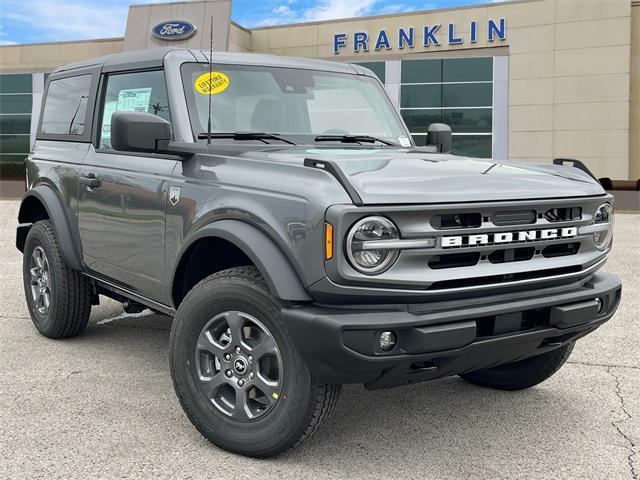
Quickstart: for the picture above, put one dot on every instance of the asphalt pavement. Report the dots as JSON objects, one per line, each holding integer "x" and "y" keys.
{"x": 102, "y": 405}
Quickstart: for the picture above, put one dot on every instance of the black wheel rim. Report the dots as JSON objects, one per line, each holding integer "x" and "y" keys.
{"x": 40, "y": 281}
{"x": 238, "y": 366}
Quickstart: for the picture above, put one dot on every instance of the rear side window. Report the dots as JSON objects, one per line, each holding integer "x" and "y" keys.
{"x": 65, "y": 109}
{"x": 133, "y": 92}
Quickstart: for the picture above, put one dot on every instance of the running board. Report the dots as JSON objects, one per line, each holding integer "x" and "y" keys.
{"x": 128, "y": 294}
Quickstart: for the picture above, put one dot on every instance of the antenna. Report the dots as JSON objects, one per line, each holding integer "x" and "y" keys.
{"x": 210, "y": 82}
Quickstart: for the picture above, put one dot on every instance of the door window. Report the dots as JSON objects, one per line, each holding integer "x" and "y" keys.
{"x": 133, "y": 92}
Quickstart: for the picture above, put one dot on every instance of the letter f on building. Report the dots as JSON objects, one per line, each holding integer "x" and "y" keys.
{"x": 339, "y": 41}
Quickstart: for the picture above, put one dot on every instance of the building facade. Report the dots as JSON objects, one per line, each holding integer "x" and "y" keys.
{"x": 528, "y": 80}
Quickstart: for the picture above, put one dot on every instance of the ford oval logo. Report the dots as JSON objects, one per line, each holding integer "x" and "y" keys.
{"x": 174, "y": 30}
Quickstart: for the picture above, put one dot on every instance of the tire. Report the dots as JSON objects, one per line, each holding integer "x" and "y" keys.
{"x": 523, "y": 373}
{"x": 281, "y": 415}
{"x": 60, "y": 304}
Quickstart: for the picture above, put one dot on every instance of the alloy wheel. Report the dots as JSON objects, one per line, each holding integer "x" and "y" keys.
{"x": 238, "y": 366}
{"x": 40, "y": 280}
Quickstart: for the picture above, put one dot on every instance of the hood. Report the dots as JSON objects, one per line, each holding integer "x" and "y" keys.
{"x": 405, "y": 176}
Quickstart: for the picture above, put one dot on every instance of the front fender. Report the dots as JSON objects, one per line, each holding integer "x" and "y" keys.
{"x": 61, "y": 217}
{"x": 276, "y": 270}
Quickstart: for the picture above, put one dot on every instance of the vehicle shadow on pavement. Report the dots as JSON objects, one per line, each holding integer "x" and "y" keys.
{"x": 421, "y": 423}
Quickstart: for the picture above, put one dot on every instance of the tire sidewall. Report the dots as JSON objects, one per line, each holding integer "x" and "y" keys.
{"x": 38, "y": 237}
{"x": 284, "y": 420}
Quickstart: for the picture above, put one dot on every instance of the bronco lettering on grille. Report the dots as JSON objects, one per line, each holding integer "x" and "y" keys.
{"x": 508, "y": 237}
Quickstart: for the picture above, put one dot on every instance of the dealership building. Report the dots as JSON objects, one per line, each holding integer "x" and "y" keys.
{"x": 528, "y": 80}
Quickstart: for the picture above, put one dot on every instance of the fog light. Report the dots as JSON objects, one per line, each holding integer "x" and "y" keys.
{"x": 387, "y": 341}
{"x": 600, "y": 304}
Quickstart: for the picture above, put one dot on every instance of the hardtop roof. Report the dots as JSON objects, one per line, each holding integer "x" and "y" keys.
{"x": 154, "y": 57}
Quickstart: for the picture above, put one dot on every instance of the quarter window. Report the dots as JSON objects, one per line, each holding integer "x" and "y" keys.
{"x": 133, "y": 92}
{"x": 65, "y": 108}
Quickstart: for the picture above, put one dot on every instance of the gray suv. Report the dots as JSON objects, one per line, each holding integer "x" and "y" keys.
{"x": 279, "y": 210}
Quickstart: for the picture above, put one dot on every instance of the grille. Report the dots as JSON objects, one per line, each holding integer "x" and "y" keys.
{"x": 486, "y": 247}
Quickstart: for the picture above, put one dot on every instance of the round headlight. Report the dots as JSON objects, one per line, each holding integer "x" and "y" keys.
{"x": 362, "y": 252}
{"x": 604, "y": 218}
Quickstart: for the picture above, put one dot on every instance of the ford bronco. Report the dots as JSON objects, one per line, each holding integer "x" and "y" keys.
{"x": 278, "y": 209}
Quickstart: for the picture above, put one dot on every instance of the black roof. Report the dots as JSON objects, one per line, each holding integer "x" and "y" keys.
{"x": 154, "y": 57}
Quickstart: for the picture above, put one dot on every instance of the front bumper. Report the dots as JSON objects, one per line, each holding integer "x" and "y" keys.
{"x": 447, "y": 338}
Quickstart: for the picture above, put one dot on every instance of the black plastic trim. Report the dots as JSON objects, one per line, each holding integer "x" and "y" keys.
{"x": 333, "y": 168}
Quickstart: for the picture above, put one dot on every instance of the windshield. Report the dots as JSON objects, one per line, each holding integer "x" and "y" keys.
{"x": 299, "y": 105}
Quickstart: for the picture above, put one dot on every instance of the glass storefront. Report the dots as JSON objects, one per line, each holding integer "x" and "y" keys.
{"x": 458, "y": 92}
{"x": 15, "y": 122}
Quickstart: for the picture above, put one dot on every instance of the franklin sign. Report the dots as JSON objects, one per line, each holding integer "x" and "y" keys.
{"x": 426, "y": 37}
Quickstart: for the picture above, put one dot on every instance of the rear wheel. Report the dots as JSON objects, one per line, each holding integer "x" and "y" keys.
{"x": 236, "y": 372}
{"x": 521, "y": 374}
{"x": 58, "y": 297}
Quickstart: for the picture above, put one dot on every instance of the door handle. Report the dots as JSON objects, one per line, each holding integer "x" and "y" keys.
{"x": 90, "y": 181}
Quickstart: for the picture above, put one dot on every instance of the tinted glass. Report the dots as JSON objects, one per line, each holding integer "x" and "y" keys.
{"x": 468, "y": 120}
{"x": 377, "y": 67}
{"x": 412, "y": 96}
{"x": 472, "y": 145}
{"x": 15, "y": 124}
{"x": 133, "y": 92}
{"x": 467, "y": 69}
{"x": 467, "y": 95}
{"x": 418, "y": 121}
{"x": 12, "y": 165}
{"x": 66, "y": 106}
{"x": 14, "y": 143}
{"x": 421, "y": 71}
{"x": 16, "y": 83}
{"x": 458, "y": 87}
{"x": 15, "y": 103}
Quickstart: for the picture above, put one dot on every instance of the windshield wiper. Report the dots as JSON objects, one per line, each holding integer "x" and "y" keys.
{"x": 246, "y": 136}
{"x": 352, "y": 139}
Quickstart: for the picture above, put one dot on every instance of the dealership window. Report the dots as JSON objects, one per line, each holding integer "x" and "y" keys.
{"x": 133, "y": 92}
{"x": 376, "y": 67}
{"x": 458, "y": 92}
{"x": 15, "y": 122}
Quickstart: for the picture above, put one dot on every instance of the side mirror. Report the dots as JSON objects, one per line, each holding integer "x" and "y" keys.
{"x": 439, "y": 134}
{"x": 138, "y": 131}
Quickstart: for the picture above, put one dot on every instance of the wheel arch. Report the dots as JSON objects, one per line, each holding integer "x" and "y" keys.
{"x": 238, "y": 241}
{"x": 40, "y": 203}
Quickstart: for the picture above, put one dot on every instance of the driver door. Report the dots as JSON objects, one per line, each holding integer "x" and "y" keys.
{"x": 123, "y": 195}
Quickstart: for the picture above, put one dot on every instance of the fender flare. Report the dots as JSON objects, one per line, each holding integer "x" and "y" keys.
{"x": 280, "y": 277}
{"x": 59, "y": 216}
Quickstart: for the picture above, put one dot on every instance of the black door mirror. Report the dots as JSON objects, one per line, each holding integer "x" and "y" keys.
{"x": 439, "y": 134}
{"x": 138, "y": 131}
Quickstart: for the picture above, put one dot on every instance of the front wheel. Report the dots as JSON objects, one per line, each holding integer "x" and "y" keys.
{"x": 523, "y": 373}
{"x": 237, "y": 374}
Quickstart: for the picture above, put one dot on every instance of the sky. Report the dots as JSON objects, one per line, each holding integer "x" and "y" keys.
{"x": 32, "y": 21}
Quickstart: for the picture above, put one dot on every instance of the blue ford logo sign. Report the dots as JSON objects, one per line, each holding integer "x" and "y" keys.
{"x": 174, "y": 30}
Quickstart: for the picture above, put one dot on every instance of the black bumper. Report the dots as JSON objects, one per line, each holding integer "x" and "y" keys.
{"x": 447, "y": 338}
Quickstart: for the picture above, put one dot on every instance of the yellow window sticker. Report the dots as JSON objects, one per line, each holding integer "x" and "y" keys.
{"x": 211, "y": 84}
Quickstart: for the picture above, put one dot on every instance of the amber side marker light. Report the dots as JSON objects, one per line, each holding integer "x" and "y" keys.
{"x": 328, "y": 241}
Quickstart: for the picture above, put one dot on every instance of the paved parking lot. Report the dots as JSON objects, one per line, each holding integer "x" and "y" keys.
{"x": 102, "y": 406}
